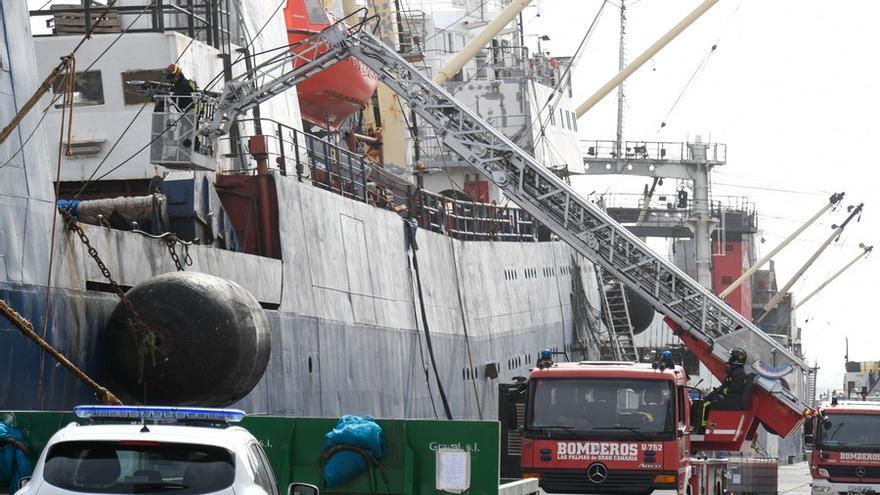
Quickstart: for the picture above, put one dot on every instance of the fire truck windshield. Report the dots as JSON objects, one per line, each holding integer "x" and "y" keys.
{"x": 850, "y": 430}
{"x": 602, "y": 407}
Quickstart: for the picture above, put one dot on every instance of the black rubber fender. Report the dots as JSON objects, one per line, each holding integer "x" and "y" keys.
{"x": 207, "y": 344}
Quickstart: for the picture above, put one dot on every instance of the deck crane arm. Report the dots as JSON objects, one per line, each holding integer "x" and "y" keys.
{"x": 707, "y": 324}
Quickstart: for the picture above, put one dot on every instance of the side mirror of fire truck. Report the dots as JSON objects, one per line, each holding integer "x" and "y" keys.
{"x": 512, "y": 406}
{"x": 512, "y": 419}
{"x": 809, "y": 428}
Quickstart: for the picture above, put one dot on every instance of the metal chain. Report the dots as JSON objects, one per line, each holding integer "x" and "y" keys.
{"x": 147, "y": 345}
{"x": 170, "y": 242}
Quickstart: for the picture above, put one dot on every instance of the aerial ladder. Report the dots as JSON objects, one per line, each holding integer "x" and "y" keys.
{"x": 705, "y": 323}
{"x": 621, "y": 338}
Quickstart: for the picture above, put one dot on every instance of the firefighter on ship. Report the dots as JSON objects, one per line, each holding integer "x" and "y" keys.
{"x": 182, "y": 90}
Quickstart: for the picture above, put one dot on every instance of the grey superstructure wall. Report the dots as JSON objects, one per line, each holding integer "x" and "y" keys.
{"x": 27, "y": 174}
{"x": 346, "y": 337}
{"x": 347, "y": 261}
{"x": 348, "y": 279}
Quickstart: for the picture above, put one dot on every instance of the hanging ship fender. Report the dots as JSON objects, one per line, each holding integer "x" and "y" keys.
{"x": 196, "y": 340}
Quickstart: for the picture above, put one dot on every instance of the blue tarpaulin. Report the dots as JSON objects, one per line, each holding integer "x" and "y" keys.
{"x": 352, "y": 431}
{"x": 14, "y": 464}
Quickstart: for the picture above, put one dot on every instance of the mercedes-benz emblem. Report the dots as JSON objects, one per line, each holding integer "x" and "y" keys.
{"x": 597, "y": 473}
{"x": 861, "y": 472}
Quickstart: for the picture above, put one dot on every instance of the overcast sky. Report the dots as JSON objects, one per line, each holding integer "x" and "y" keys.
{"x": 792, "y": 89}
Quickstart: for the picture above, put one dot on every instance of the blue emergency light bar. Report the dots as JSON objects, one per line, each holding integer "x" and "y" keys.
{"x": 159, "y": 413}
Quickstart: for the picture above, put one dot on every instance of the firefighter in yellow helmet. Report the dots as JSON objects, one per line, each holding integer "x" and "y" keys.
{"x": 181, "y": 89}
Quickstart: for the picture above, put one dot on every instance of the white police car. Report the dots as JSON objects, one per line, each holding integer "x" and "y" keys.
{"x": 152, "y": 450}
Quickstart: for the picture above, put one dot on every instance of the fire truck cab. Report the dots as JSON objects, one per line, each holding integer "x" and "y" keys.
{"x": 607, "y": 427}
{"x": 617, "y": 427}
{"x": 845, "y": 437}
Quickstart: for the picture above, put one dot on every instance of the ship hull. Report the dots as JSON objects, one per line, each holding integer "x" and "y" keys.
{"x": 318, "y": 367}
{"x": 342, "y": 304}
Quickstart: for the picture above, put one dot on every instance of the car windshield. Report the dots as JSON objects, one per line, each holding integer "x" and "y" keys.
{"x": 850, "y": 430}
{"x": 603, "y": 407}
{"x": 139, "y": 467}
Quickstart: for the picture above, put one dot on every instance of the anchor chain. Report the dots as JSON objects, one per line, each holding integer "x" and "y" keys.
{"x": 147, "y": 342}
{"x": 170, "y": 241}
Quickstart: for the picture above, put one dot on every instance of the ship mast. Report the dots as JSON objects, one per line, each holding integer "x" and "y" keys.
{"x": 621, "y": 63}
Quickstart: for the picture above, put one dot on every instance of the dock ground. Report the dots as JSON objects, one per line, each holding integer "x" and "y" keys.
{"x": 794, "y": 479}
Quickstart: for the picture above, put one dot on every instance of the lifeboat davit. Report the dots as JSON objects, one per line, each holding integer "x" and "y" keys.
{"x": 328, "y": 97}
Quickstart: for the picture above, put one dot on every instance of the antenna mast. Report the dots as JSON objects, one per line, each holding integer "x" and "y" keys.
{"x": 621, "y": 58}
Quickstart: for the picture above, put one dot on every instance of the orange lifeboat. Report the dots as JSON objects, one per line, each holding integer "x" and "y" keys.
{"x": 327, "y": 98}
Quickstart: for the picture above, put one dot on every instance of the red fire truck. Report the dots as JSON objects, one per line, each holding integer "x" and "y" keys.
{"x": 628, "y": 428}
{"x": 606, "y": 427}
{"x": 846, "y": 447}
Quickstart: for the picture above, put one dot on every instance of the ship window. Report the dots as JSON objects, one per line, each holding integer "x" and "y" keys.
{"x": 482, "y": 63}
{"x": 88, "y": 90}
{"x": 132, "y": 98}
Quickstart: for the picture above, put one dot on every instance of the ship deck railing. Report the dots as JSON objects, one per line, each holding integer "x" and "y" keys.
{"x": 308, "y": 157}
{"x": 472, "y": 220}
{"x": 355, "y": 176}
{"x": 663, "y": 151}
{"x": 718, "y": 205}
{"x": 205, "y": 20}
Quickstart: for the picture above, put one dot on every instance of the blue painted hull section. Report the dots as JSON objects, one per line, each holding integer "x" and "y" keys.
{"x": 317, "y": 368}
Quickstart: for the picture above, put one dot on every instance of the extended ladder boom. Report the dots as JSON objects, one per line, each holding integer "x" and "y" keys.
{"x": 707, "y": 320}
{"x": 276, "y": 75}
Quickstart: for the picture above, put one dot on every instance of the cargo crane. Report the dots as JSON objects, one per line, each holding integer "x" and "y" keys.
{"x": 660, "y": 460}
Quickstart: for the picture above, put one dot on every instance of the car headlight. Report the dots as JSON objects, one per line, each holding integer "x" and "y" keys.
{"x": 821, "y": 489}
{"x": 823, "y": 472}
